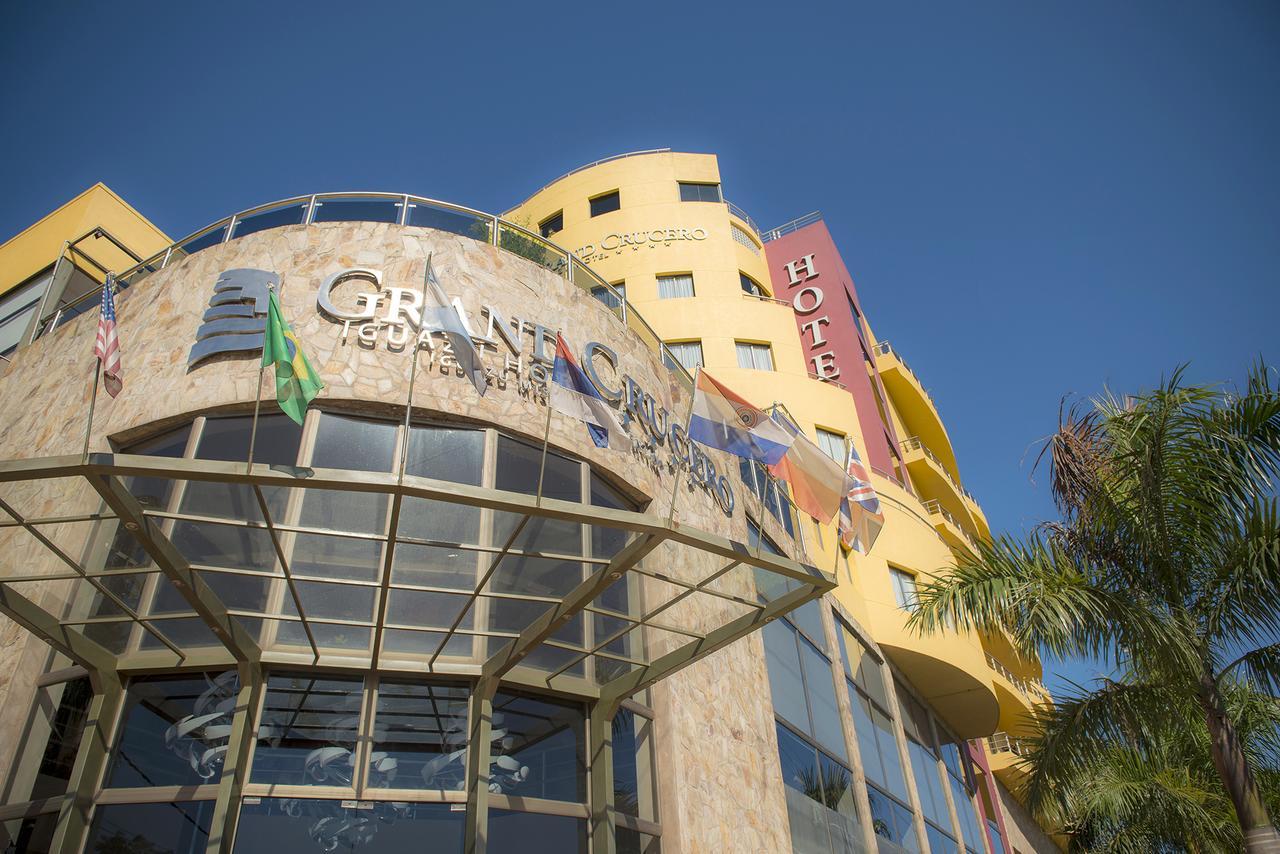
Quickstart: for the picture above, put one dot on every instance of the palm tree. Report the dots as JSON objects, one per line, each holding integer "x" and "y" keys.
{"x": 1167, "y": 557}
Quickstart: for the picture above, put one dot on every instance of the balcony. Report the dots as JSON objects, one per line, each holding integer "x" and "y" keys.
{"x": 933, "y": 480}
{"x": 1018, "y": 695}
{"x": 914, "y": 404}
{"x": 1006, "y": 754}
{"x": 949, "y": 526}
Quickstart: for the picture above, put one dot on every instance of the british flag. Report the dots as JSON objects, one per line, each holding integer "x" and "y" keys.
{"x": 860, "y": 515}
{"x": 107, "y": 347}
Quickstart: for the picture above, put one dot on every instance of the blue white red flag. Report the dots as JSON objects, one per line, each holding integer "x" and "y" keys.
{"x": 725, "y": 421}
{"x": 572, "y": 394}
{"x": 107, "y": 345}
{"x": 861, "y": 516}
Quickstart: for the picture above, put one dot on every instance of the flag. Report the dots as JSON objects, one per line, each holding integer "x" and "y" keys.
{"x": 444, "y": 317}
{"x": 723, "y": 420}
{"x": 572, "y": 394}
{"x": 818, "y": 483}
{"x": 861, "y": 517}
{"x": 107, "y": 345}
{"x": 297, "y": 383}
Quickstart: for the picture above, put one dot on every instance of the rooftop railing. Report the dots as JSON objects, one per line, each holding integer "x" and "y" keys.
{"x": 744, "y": 216}
{"x": 590, "y": 165}
{"x": 788, "y": 227}
{"x": 395, "y": 208}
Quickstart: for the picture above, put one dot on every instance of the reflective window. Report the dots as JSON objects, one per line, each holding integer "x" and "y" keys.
{"x": 65, "y": 729}
{"x": 626, "y": 784}
{"x": 692, "y": 192}
{"x": 819, "y": 796}
{"x": 32, "y": 835}
{"x": 801, "y": 684}
{"x": 419, "y": 736}
{"x": 174, "y": 730}
{"x": 939, "y": 841}
{"x": 924, "y": 766}
{"x": 203, "y": 241}
{"x": 904, "y": 588}
{"x": 275, "y": 825}
{"x": 357, "y": 210}
{"x": 777, "y": 499}
{"x": 426, "y": 215}
{"x": 552, "y": 224}
{"x": 181, "y": 826}
{"x": 307, "y": 731}
{"x": 538, "y": 749}
{"x": 757, "y": 357}
{"x": 605, "y": 203}
{"x": 687, "y": 353}
{"x": 750, "y": 285}
{"x": 891, "y": 820}
{"x": 535, "y": 833}
{"x": 676, "y": 286}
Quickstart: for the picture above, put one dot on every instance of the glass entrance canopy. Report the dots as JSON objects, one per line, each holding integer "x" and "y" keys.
{"x": 550, "y": 582}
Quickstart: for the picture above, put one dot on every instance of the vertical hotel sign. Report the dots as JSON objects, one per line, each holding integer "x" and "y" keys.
{"x": 806, "y": 301}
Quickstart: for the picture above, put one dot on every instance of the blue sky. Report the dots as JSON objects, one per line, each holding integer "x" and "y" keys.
{"x": 1035, "y": 199}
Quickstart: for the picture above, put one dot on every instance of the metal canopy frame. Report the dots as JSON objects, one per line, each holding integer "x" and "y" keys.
{"x": 646, "y": 533}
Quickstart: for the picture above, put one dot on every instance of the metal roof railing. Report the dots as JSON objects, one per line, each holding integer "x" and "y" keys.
{"x": 393, "y": 208}
{"x": 788, "y": 227}
{"x": 587, "y": 166}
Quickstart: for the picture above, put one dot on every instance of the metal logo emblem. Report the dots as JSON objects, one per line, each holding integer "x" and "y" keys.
{"x": 237, "y": 316}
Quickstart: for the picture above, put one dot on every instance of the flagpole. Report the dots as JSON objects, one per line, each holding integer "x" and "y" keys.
{"x": 675, "y": 487}
{"x": 546, "y": 438}
{"x": 408, "y": 409}
{"x": 257, "y": 400}
{"x": 93, "y": 399}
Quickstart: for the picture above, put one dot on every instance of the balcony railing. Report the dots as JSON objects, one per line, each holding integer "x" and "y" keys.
{"x": 934, "y": 507}
{"x": 913, "y": 443}
{"x": 396, "y": 208}
{"x": 1002, "y": 742}
{"x": 744, "y": 216}
{"x": 1032, "y": 689}
{"x": 788, "y": 227}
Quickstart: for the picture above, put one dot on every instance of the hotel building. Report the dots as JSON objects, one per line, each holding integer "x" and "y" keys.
{"x": 429, "y": 619}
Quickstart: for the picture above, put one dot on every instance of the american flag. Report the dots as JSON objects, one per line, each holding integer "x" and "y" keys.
{"x": 107, "y": 347}
{"x": 860, "y": 515}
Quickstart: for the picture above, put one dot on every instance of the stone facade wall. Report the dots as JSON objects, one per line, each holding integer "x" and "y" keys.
{"x": 717, "y": 753}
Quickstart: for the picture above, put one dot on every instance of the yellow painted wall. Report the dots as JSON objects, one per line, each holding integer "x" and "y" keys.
{"x": 949, "y": 669}
{"x": 36, "y": 247}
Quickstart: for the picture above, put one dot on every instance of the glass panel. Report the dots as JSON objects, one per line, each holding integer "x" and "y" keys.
{"x": 804, "y": 794}
{"x": 307, "y": 733}
{"x": 519, "y": 464}
{"x": 239, "y": 592}
{"x": 274, "y": 825}
{"x": 57, "y": 753}
{"x": 181, "y": 826}
{"x": 841, "y": 813}
{"x": 443, "y": 219}
{"x": 228, "y": 439}
{"x": 967, "y": 813}
{"x": 822, "y": 700}
{"x": 891, "y": 822}
{"x": 675, "y": 287}
{"x": 895, "y": 777}
{"x": 427, "y": 609}
{"x": 419, "y": 737}
{"x": 868, "y": 745}
{"x": 446, "y": 454}
{"x": 434, "y": 566}
{"x": 274, "y": 218}
{"x": 606, "y": 203}
{"x": 925, "y": 768}
{"x": 414, "y": 643}
{"x": 536, "y": 833}
{"x": 629, "y": 841}
{"x": 32, "y": 835}
{"x": 939, "y": 842}
{"x": 355, "y": 444}
{"x": 786, "y": 684}
{"x": 175, "y": 730}
{"x": 195, "y": 244}
{"x": 533, "y": 248}
{"x": 337, "y": 557}
{"x": 335, "y": 601}
{"x": 538, "y": 749}
{"x": 357, "y": 210}
{"x": 230, "y": 546}
{"x": 626, "y": 785}
{"x": 809, "y": 618}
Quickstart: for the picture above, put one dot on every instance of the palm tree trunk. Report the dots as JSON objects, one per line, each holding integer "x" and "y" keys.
{"x": 1260, "y": 836}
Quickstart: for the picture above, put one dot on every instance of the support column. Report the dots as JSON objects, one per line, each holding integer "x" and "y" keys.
{"x": 479, "y": 741}
{"x": 600, "y": 770}
{"x": 91, "y": 762}
{"x": 235, "y": 767}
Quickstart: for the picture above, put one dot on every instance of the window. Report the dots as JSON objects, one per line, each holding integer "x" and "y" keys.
{"x": 552, "y": 224}
{"x": 750, "y": 286}
{"x": 691, "y": 192}
{"x": 169, "y": 826}
{"x": 605, "y": 203}
{"x": 741, "y": 237}
{"x": 675, "y": 286}
{"x": 802, "y": 687}
{"x": 904, "y": 588}
{"x": 612, "y": 298}
{"x": 687, "y": 353}
{"x": 757, "y": 357}
{"x": 777, "y": 497}
{"x": 955, "y": 757}
{"x": 819, "y": 793}
{"x": 832, "y": 444}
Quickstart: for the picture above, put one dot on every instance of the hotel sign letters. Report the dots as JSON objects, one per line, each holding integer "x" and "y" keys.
{"x": 806, "y": 303}
{"x": 618, "y": 242}
{"x": 396, "y": 317}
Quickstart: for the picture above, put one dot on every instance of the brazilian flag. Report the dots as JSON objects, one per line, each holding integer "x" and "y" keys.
{"x": 296, "y": 383}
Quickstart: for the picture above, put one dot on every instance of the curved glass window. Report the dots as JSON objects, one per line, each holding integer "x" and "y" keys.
{"x": 357, "y": 209}
{"x": 293, "y": 214}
